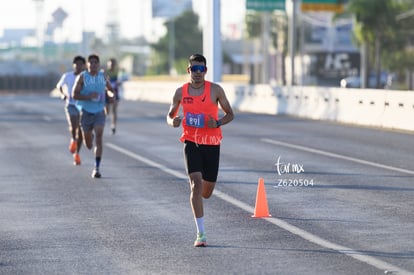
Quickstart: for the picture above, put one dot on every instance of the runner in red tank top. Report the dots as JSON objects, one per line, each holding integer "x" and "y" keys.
{"x": 201, "y": 135}
{"x": 197, "y": 111}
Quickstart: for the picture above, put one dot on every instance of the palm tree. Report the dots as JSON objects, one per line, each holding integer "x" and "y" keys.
{"x": 376, "y": 24}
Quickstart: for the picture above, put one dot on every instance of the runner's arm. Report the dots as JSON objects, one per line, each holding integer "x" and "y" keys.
{"x": 172, "y": 118}
{"x": 225, "y": 106}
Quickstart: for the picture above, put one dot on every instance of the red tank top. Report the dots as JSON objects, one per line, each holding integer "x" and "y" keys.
{"x": 197, "y": 111}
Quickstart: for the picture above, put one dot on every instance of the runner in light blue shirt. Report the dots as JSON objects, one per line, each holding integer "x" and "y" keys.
{"x": 91, "y": 89}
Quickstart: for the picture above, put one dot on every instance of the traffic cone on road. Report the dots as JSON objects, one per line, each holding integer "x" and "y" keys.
{"x": 261, "y": 210}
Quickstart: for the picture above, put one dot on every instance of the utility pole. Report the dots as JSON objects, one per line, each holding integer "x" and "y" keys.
{"x": 212, "y": 41}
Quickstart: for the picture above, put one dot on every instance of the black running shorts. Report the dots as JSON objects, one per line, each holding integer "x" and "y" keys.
{"x": 202, "y": 158}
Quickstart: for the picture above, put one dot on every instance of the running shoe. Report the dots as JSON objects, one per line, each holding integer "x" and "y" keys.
{"x": 72, "y": 146}
{"x": 201, "y": 240}
{"x": 76, "y": 159}
{"x": 95, "y": 173}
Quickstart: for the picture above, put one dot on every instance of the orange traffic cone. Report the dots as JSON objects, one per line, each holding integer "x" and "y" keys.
{"x": 261, "y": 210}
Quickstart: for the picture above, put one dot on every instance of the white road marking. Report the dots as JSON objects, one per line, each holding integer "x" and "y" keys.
{"x": 147, "y": 161}
{"x": 358, "y": 255}
{"x": 333, "y": 155}
{"x": 47, "y": 118}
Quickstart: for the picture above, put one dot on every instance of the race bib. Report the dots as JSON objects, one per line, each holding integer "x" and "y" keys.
{"x": 195, "y": 120}
{"x": 98, "y": 98}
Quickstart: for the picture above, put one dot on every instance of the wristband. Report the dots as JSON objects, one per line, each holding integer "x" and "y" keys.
{"x": 218, "y": 123}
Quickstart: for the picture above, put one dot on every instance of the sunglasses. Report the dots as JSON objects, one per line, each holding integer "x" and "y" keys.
{"x": 200, "y": 68}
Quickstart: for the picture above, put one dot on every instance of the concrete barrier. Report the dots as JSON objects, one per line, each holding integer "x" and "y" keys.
{"x": 370, "y": 107}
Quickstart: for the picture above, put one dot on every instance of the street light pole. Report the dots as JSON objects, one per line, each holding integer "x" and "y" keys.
{"x": 39, "y": 28}
{"x": 171, "y": 47}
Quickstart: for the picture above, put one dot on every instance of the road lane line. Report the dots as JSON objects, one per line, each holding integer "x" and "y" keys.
{"x": 358, "y": 255}
{"x": 147, "y": 161}
{"x": 333, "y": 155}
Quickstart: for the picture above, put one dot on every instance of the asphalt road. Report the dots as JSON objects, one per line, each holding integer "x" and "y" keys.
{"x": 340, "y": 197}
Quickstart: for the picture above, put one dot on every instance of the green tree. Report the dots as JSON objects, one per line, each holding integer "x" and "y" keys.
{"x": 188, "y": 40}
{"x": 278, "y": 30}
{"x": 379, "y": 31}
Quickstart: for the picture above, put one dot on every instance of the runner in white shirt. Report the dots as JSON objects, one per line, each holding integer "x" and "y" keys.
{"x": 72, "y": 110}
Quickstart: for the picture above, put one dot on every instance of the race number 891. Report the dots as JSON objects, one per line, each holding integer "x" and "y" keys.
{"x": 294, "y": 182}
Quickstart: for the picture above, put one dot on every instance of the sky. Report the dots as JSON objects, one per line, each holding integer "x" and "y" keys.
{"x": 91, "y": 15}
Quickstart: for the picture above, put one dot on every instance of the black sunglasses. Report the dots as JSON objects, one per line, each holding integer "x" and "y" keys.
{"x": 200, "y": 68}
